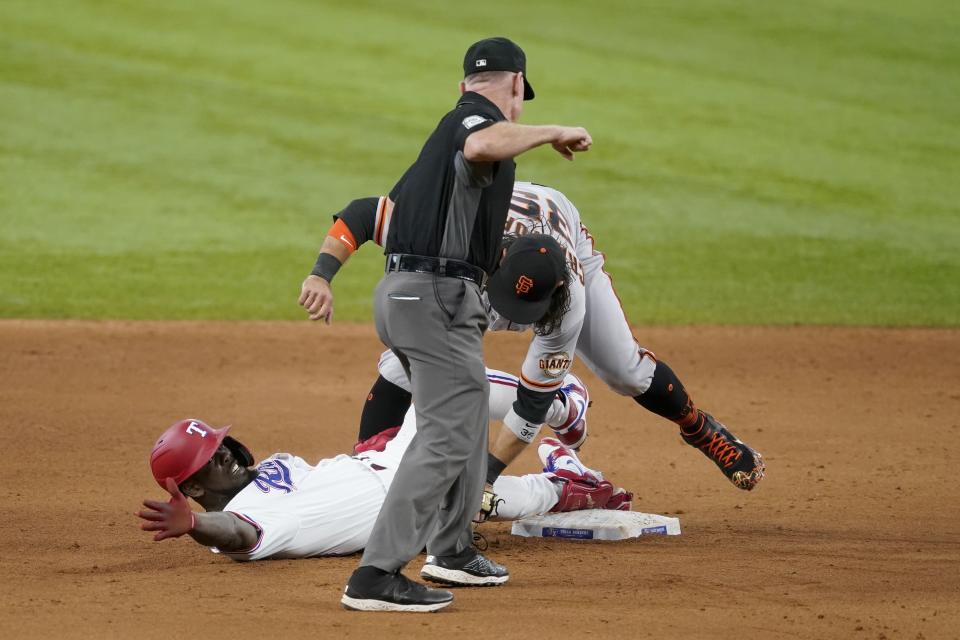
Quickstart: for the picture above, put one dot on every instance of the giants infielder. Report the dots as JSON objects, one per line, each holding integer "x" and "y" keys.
{"x": 594, "y": 328}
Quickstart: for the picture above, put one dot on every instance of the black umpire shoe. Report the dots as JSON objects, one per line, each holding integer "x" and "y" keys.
{"x": 467, "y": 569}
{"x": 370, "y": 589}
{"x": 743, "y": 466}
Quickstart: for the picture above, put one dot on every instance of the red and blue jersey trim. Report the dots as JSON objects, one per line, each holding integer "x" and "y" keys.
{"x": 496, "y": 378}
{"x": 256, "y": 525}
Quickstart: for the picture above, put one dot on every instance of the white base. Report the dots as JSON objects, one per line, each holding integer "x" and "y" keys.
{"x": 596, "y": 524}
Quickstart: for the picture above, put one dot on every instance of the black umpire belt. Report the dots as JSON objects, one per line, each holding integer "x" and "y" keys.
{"x": 445, "y": 267}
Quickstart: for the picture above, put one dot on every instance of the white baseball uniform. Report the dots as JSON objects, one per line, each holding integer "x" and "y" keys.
{"x": 503, "y": 390}
{"x": 595, "y": 328}
{"x": 301, "y": 510}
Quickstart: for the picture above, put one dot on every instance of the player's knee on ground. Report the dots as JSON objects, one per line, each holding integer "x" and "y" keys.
{"x": 667, "y": 397}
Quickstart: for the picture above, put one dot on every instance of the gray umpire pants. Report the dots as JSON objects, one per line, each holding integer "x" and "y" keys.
{"x": 435, "y": 325}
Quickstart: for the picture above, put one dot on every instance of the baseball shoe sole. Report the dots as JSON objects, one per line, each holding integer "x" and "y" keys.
{"x": 456, "y": 578}
{"x": 358, "y": 604}
{"x": 369, "y": 590}
{"x": 467, "y": 570}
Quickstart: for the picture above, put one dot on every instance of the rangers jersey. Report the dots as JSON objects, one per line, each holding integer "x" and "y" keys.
{"x": 301, "y": 510}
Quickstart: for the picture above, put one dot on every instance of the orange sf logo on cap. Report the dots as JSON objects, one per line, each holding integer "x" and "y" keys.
{"x": 524, "y": 284}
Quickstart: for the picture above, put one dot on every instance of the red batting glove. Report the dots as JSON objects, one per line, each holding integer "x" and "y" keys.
{"x": 170, "y": 519}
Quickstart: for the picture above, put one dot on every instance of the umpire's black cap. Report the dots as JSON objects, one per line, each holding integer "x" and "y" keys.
{"x": 497, "y": 54}
{"x": 522, "y": 288}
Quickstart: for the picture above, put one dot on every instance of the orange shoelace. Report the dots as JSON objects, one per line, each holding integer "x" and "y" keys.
{"x": 720, "y": 449}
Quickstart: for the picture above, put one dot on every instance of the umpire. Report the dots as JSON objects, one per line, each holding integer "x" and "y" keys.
{"x": 449, "y": 210}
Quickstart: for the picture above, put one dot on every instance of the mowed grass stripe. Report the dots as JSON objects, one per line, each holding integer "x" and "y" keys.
{"x": 754, "y": 162}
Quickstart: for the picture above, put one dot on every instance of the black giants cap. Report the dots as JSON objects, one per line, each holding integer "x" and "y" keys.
{"x": 522, "y": 288}
{"x": 497, "y": 54}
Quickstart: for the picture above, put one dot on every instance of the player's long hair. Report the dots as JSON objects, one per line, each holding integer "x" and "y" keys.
{"x": 559, "y": 301}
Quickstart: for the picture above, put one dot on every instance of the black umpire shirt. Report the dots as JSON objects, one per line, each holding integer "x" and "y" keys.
{"x": 447, "y": 207}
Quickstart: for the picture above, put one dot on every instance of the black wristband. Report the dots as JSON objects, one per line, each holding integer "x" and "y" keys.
{"x": 326, "y": 267}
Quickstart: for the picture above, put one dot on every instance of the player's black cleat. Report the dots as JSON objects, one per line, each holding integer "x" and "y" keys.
{"x": 468, "y": 569}
{"x": 742, "y": 465}
{"x": 371, "y": 590}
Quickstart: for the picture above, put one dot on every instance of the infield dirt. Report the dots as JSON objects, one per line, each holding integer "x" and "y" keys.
{"x": 855, "y": 532}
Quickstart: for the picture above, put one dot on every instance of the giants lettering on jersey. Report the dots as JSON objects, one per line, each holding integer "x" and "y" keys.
{"x": 273, "y": 474}
{"x": 555, "y": 365}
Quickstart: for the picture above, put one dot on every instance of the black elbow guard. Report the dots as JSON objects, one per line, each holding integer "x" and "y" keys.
{"x": 532, "y": 405}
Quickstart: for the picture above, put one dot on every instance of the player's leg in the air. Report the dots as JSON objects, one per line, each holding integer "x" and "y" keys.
{"x": 608, "y": 347}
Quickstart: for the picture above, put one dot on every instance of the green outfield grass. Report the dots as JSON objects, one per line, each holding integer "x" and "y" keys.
{"x": 754, "y": 162}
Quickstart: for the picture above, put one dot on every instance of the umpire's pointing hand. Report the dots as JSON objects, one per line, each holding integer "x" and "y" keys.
{"x": 317, "y": 298}
{"x": 572, "y": 140}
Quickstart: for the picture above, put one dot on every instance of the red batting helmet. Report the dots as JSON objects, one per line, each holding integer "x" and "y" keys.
{"x": 188, "y": 445}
